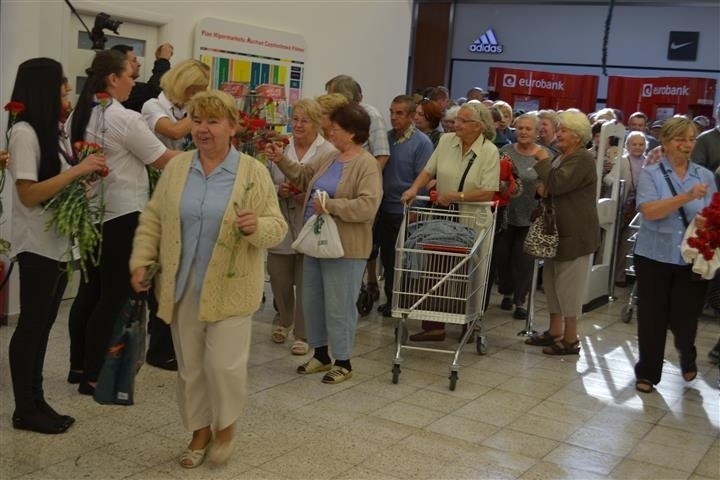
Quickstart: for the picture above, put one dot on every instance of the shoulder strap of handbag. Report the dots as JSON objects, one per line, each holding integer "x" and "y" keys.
{"x": 666, "y": 174}
{"x": 467, "y": 169}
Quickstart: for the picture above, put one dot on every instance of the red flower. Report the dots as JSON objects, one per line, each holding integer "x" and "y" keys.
{"x": 15, "y": 108}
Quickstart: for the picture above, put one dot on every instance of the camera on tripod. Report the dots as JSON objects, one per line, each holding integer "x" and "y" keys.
{"x": 103, "y": 21}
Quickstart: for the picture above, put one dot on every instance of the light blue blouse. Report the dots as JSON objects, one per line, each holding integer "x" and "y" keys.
{"x": 660, "y": 239}
{"x": 202, "y": 206}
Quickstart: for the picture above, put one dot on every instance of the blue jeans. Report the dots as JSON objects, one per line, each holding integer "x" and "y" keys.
{"x": 330, "y": 289}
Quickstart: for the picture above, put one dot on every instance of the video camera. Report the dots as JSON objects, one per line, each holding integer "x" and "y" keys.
{"x": 103, "y": 21}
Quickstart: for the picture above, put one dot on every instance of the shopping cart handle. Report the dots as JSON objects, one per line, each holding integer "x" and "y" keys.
{"x": 427, "y": 198}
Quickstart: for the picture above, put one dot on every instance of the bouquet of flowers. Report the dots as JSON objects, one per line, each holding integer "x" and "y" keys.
{"x": 700, "y": 245}
{"x": 76, "y": 214}
{"x": 254, "y": 132}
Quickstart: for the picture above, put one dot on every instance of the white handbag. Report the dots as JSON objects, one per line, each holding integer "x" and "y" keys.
{"x": 319, "y": 236}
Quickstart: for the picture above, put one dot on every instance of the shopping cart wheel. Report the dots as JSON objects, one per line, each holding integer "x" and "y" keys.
{"x": 626, "y": 313}
{"x": 481, "y": 345}
{"x": 453, "y": 380}
{"x": 396, "y": 373}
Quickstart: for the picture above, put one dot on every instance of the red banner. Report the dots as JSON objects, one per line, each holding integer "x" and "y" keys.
{"x": 533, "y": 90}
{"x": 662, "y": 97}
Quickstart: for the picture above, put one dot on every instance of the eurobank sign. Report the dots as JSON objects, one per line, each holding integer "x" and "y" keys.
{"x": 486, "y": 43}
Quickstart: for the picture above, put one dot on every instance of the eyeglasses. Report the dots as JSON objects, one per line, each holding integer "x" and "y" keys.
{"x": 301, "y": 121}
{"x": 464, "y": 120}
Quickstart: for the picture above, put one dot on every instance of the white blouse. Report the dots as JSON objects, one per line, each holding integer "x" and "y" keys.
{"x": 29, "y": 233}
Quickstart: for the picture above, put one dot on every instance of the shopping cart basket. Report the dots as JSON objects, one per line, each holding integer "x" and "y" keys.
{"x": 440, "y": 280}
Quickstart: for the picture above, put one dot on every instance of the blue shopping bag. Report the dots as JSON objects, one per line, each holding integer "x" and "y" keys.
{"x": 125, "y": 354}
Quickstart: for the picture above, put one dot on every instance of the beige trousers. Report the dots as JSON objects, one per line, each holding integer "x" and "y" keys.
{"x": 286, "y": 273}
{"x": 565, "y": 284}
{"x": 212, "y": 364}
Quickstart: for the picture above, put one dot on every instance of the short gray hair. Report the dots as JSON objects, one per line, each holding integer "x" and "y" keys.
{"x": 481, "y": 113}
{"x": 633, "y": 134}
{"x": 577, "y": 122}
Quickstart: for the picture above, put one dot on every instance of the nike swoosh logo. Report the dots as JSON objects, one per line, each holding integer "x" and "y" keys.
{"x": 675, "y": 46}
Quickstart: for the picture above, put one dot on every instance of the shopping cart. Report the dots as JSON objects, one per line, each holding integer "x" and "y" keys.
{"x": 441, "y": 281}
{"x": 627, "y": 311}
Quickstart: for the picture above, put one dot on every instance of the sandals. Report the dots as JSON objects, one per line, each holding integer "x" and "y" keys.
{"x": 542, "y": 339}
{"x": 644, "y": 386}
{"x": 313, "y": 366}
{"x": 299, "y": 347}
{"x": 279, "y": 334}
{"x": 192, "y": 458}
{"x": 561, "y": 347}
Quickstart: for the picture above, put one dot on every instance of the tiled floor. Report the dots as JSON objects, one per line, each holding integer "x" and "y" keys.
{"x": 516, "y": 413}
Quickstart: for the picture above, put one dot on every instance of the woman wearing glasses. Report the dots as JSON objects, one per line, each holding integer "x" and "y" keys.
{"x": 669, "y": 195}
{"x": 467, "y": 169}
{"x": 285, "y": 264}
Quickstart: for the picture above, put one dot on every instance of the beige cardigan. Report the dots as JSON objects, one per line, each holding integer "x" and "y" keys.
{"x": 356, "y": 200}
{"x": 158, "y": 238}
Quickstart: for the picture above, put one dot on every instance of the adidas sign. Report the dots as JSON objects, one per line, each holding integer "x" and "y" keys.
{"x": 486, "y": 43}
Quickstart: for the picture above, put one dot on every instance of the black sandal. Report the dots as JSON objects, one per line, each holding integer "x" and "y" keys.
{"x": 562, "y": 347}
{"x": 644, "y": 386}
{"x": 541, "y": 339}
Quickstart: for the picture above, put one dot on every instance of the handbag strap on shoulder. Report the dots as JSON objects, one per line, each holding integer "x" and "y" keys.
{"x": 666, "y": 175}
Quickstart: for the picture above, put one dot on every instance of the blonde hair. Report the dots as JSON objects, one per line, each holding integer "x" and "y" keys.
{"x": 312, "y": 109}
{"x": 331, "y": 102}
{"x": 213, "y": 104}
{"x": 675, "y": 126}
{"x": 505, "y": 109}
{"x": 481, "y": 113}
{"x": 186, "y": 74}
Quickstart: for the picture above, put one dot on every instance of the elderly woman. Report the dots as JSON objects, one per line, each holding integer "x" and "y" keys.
{"x": 570, "y": 181}
{"x": 505, "y": 128}
{"x": 328, "y": 104}
{"x": 448, "y": 120}
{"x": 213, "y": 213}
{"x": 514, "y": 265}
{"x": 669, "y": 195}
{"x": 428, "y": 115}
{"x": 631, "y": 163}
{"x": 283, "y": 263}
{"x": 351, "y": 178}
{"x": 467, "y": 169}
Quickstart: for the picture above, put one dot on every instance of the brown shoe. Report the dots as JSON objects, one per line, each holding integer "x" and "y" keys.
{"x": 428, "y": 336}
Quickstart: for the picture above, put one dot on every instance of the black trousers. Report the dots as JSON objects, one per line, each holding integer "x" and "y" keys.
{"x": 514, "y": 267}
{"x": 160, "y": 344}
{"x": 42, "y": 283}
{"x": 387, "y": 228}
{"x": 100, "y": 299}
{"x": 668, "y": 297}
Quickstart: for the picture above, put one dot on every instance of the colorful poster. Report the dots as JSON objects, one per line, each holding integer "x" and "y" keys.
{"x": 261, "y": 68}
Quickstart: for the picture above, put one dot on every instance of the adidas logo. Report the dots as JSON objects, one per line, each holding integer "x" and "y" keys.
{"x": 486, "y": 43}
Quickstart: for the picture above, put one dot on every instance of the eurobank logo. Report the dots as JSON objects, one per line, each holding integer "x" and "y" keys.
{"x": 650, "y": 90}
{"x": 486, "y": 43}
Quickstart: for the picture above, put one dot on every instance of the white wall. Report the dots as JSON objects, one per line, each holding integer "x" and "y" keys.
{"x": 558, "y": 35}
{"x": 366, "y": 39}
